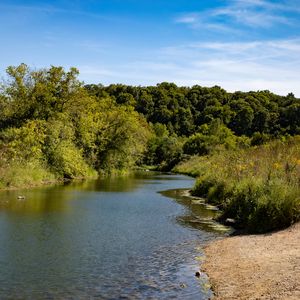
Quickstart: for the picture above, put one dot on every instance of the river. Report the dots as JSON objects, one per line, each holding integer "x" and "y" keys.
{"x": 134, "y": 237}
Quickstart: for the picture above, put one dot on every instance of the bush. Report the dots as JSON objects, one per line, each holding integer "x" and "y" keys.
{"x": 278, "y": 207}
{"x": 67, "y": 161}
{"x": 203, "y": 185}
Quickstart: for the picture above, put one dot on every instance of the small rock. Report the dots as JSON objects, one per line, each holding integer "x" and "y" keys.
{"x": 229, "y": 221}
{"x": 197, "y": 274}
{"x": 182, "y": 285}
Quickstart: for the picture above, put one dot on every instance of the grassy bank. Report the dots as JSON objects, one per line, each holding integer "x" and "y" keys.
{"x": 32, "y": 174}
{"x": 258, "y": 187}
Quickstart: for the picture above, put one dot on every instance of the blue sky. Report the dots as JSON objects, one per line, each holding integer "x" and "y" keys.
{"x": 239, "y": 45}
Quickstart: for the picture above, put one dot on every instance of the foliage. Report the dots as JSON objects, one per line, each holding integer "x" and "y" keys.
{"x": 202, "y": 120}
{"x": 23, "y": 143}
{"x": 164, "y": 149}
{"x": 49, "y": 119}
{"x": 29, "y": 173}
{"x": 259, "y": 187}
{"x": 70, "y": 130}
{"x": 212, "y": 137}
{"x": 184, "y": 109}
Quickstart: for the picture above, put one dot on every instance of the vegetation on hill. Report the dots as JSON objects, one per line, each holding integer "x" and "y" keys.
{"x": 197, "y": 120}
{"x": 184, "y": 109}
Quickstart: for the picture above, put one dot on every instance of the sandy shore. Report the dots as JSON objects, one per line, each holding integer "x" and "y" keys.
{"x": 256, "y": 266}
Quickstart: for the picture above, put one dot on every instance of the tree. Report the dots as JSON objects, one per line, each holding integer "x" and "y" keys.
{"x": 242, "y": 119}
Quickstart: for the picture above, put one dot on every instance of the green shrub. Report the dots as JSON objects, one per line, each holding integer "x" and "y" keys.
{"x": 243, "y": 201}
{"x": 203, "y": 185}
{"x": 67, "y": 161}
{"x": 278, "y": 207}
{"x": 220, "y": 193}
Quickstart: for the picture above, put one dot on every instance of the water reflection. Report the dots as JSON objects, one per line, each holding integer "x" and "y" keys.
{"x": 122, "y": 184}
{"x": 105, "y": 239}
{"x": 57, "y": 198}
{"x": 36, "y": 201}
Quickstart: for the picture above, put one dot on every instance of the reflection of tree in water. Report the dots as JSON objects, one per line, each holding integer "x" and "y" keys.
{"x": 37, "y": 201}
{"x": 109, "y": 184}
{"x": 127, "y": 183}
{"x": 56, "y": 198}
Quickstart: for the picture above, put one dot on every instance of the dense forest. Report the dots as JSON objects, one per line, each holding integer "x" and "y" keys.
{"x": 52, "y": 126}
{"x": 199, "y": 120}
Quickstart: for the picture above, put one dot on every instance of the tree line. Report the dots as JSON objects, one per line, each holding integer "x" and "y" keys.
{"x": 52, "y": 123}
{"x": 198, "y": 120}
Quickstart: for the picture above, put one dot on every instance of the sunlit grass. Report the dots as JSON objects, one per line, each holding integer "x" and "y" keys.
{"x": 259, "y": 187}
{"x": 27, "y": 174}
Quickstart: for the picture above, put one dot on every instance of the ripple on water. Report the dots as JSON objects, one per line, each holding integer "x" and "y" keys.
{"x": 71, "y": 244}
{"x": 168, "y": 273}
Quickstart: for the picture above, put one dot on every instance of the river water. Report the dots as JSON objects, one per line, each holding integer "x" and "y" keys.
{"x": 137, "y": 237}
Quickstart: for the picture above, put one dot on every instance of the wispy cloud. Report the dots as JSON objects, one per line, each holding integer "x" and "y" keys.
{"x": 256, "y": 64}
{"x": 272, "y": 64}
{"x": 250, "y": 17}
{"x": 257, "y": 50}
{"x": 249, "y": 13}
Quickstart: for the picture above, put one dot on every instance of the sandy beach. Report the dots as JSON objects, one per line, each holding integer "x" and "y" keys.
{"x": 256, "y": 266}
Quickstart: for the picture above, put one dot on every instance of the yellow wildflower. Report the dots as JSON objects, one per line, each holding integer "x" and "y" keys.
{"x": 276, "y": 165}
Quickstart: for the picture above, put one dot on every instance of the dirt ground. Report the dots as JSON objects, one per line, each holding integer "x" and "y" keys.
{"x": 256, "y": 266}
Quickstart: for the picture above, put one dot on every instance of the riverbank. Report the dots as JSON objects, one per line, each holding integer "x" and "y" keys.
{"x": 32, "y": 176}
{"x": 257, "y": 187}
{"x": 256, "y": 266}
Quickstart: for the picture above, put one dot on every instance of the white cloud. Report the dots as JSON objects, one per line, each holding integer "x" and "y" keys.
{"x": 273, "y": 65}
{"x": 259, "y": 65}
{"x": 251, "y": 13}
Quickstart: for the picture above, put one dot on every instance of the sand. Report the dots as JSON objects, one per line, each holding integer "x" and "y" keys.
{"x": 255, "y": 266}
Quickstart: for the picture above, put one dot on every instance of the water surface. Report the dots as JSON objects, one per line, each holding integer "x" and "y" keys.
{"x": 138, "y": 237}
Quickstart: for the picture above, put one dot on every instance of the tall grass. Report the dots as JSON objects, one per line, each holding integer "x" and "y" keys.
{"x": 25, "y": 174}
{"x": 34, "y": 172}
{"x": 259, "y": 187}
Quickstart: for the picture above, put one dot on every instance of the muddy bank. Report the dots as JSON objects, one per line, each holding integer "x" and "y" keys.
{"x": 256, "y": 266}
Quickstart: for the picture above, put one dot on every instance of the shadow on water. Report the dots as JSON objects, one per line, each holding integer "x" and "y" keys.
{"x": 198, "y": 214}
